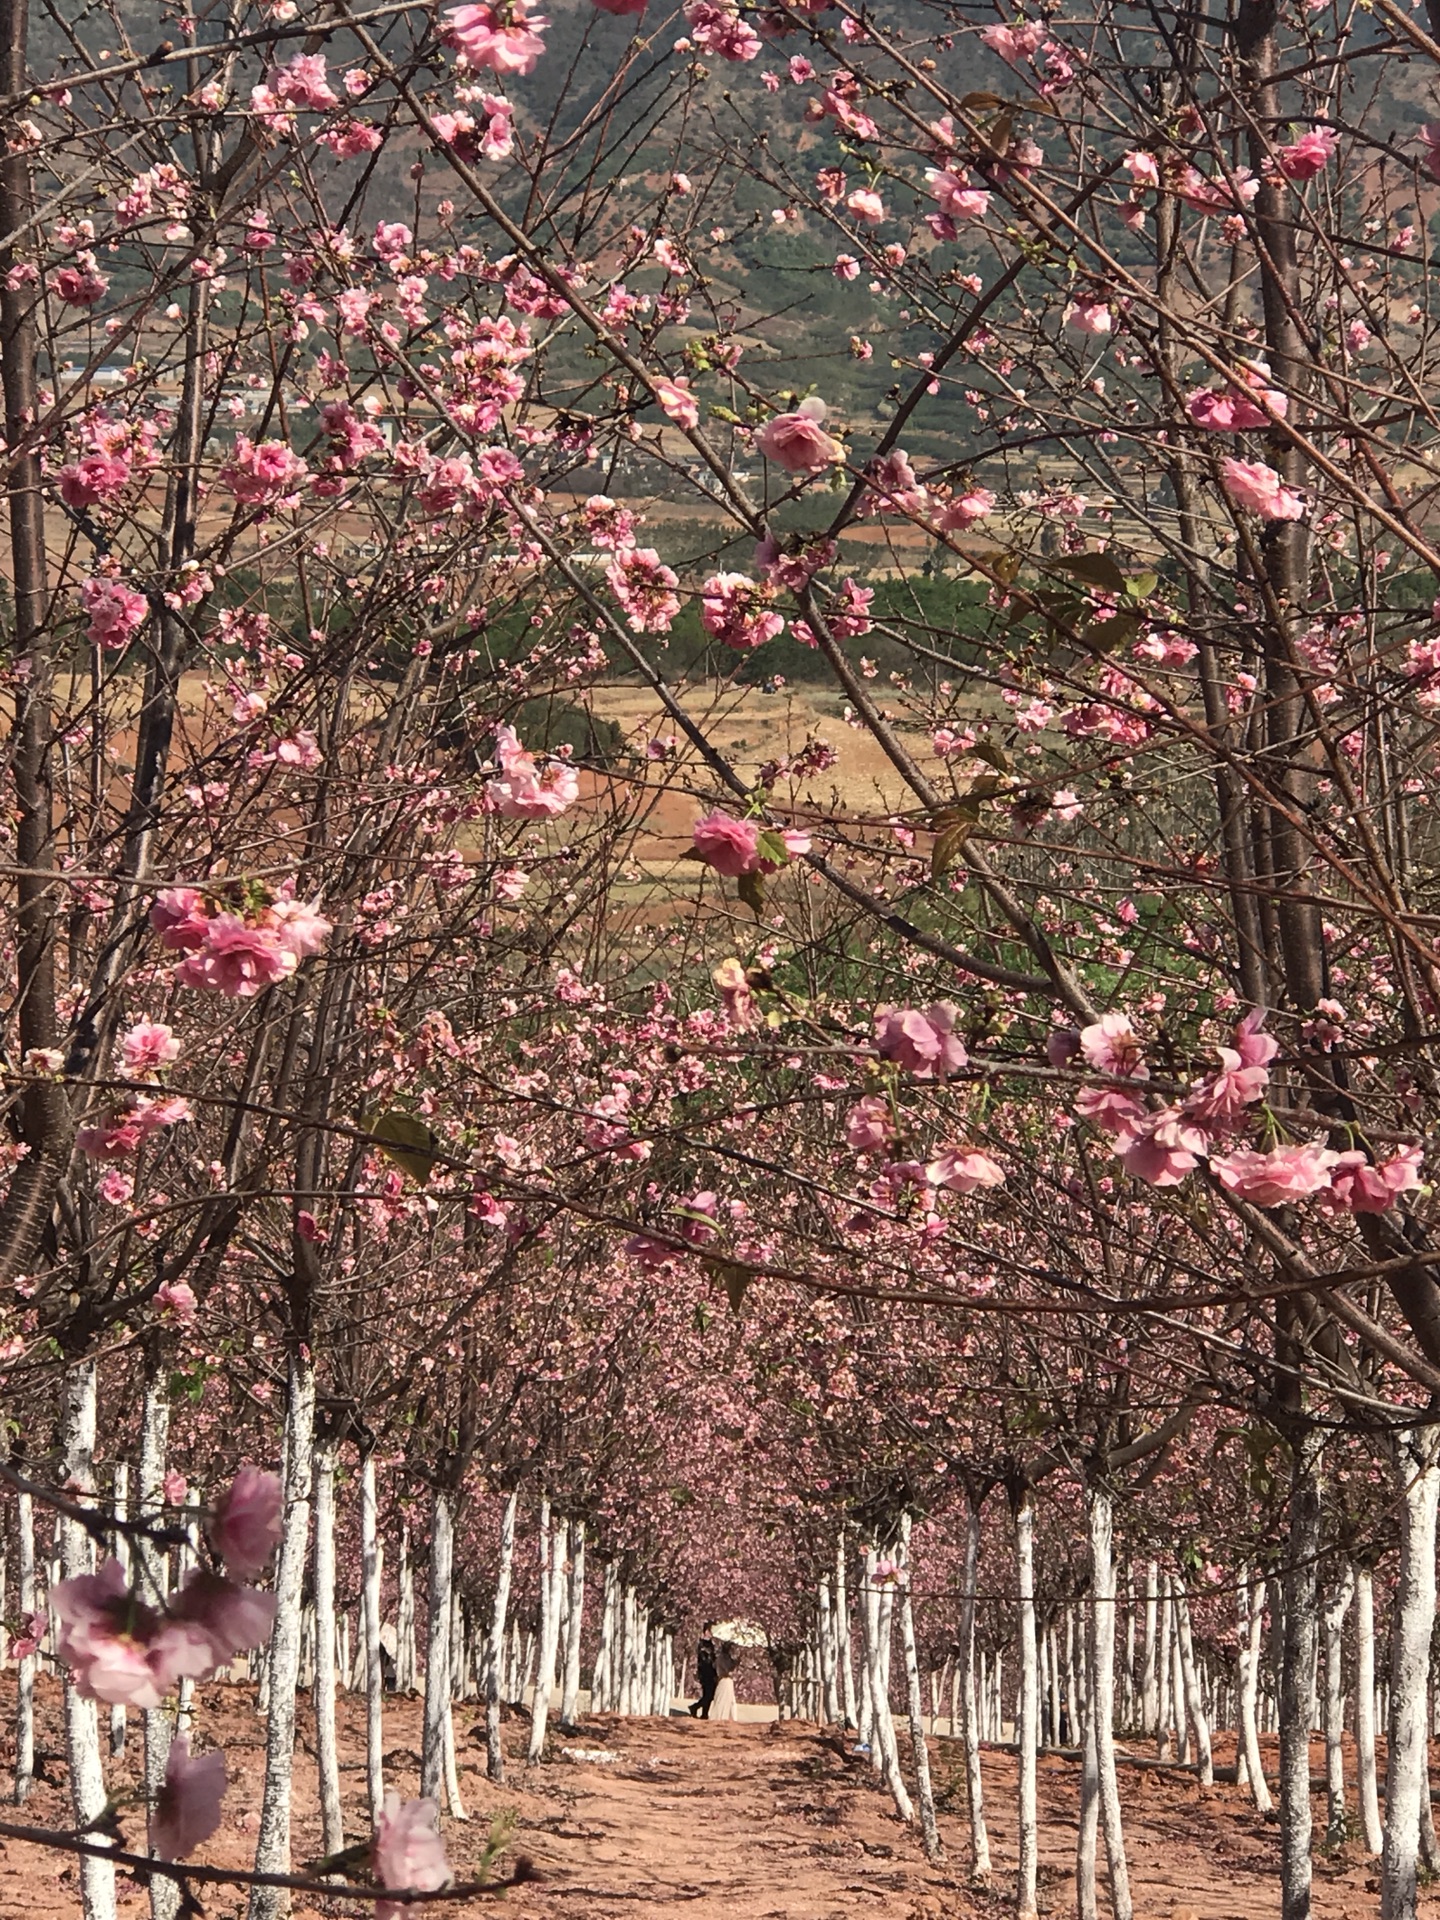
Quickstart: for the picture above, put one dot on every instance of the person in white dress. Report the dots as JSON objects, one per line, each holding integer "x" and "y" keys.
{"x": 727, "y": 1659}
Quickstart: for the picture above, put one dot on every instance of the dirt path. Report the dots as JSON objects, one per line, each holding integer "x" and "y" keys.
{"x": 748, "y": 1822}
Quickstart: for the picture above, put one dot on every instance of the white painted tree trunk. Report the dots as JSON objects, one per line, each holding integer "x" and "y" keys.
{"x": 965, "y": 1674}
{"x": 1027, "y": 1729}
{"x": 272, "y": 1849}
{"x": 495, "y": 1661}
{"x": 77, "y": 1556}
{"x": 1252, "y": 1605}
{"x": 602, "y": 1674}
{"x": 552, "y": 1587}
{"x": 150, "y": 1567}
{"x": 1082, "y": 1707}
{"x": 121, "y": 1499}
{"x": 842, "y": 1636}
{"x": 1101, "y": 1732}
{"x": 1365, "y": 1709}
{"x": 1150, "y": 1671}
{"x": 25, "y": 1674}
{"x": 1190, "y": 1681}
{"x": 406, "y": 1656}
{"x": 825, "y": 1627}
{"x": 924, "y": 1790}
{"x": 1332, "y": 1632}
{"x": 574, "y": 1626}
{"x": 1412, "y": 1621}
{"x": 437, "y": 1643}
{"x": 370, "y": 1577}
{"x": 1297, "y": 1683}
{"x": 327, "y": 1750}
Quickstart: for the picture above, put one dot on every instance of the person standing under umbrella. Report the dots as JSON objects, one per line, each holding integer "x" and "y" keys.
{"x": 707, "y": 1672}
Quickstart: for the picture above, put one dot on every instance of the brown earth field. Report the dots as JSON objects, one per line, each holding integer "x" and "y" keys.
{"x": 755, "y": 1821}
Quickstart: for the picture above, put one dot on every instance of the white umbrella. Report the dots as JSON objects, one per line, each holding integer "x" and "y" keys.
{"x": 740, "y": 1633}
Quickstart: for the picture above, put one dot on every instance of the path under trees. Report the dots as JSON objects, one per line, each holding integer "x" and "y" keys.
{"x": 765, "y": 1820}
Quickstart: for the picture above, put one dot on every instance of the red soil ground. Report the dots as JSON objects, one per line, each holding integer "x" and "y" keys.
{"x": 746, "y": 1822}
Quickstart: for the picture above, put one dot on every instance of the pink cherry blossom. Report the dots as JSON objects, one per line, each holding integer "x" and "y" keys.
{"x": 81, "y": 286}
{"x": 506, "y": 37}
{"x": 679, "y": 403}
{"x": 965, "y": 1170}
{"x": 1260, "y": 490}
{"x": 797, "y": 441}
{"x": 966, "y": 509}
{"x": 1112, "y": 1046}
{"x": 93, "y": 481}
{"x": 870, "y": 1124}
{"x": 147, "y": 1046}
{"x": 1161, "y": 1149}
{"x": 1308, "y": 155}
{"x": 299, "y": 925}
{"x": 262, "y": 475}
{"x": 302, "y": 83}
{"x": 1276, "y": 1178}
{"x": 180, "y": 919}
{"x": 728, "y": 845}
{"x": 739, "y": 611}
{"x": 1089, "y": 316}
{"x": 866, "y": 205}
{"x": 954, "y": 194}
{"x": 245, "y": 1525}
{"x": 187, "y": 1808}
{"x": 117, "y": 1648}
{"x": 645, "y": 588}
{"x": 238, "y": 959}
{"x": 177, "y": 1298}
{"x": 218, "y": 1618}
{"x": 1430, "y": 135}
{"x": 115, "y": 611}
{"x": 1358, "y": 1185}
{"x": 924, "y": 1044}
{"x": 408, "y": 1853}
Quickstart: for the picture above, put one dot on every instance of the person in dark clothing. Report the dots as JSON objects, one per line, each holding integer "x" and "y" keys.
{"x": 707, "y": 1673}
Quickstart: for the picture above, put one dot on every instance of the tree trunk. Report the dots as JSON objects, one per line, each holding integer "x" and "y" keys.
{"x": 1365, "y": 1709}
{"x": 1027, "y": 1711}
{"x": 924, "y": 1791}
{"x": 437, "y": 1643}
{"x": 601, "y": 1676}
{"x": 77, "y": 1556}
{"x": 965, "y": 1672}
{"x": 1082, "y": 1707}
{"x": 1101, "y": 1733}
{"x": 25, "y": 1675}
{"x": 495, "y": 1662}
{"x": 1297, "y": 1681}
{"x": 1190, "y": 1680}
{"x": 842, "y": 1636}
{"x": 1252, "y": 1602}
{"x": 272, "y": 1849}
{"x": 552, "y": 1579}
{"x": 574, "y": 1626}
{"x": 825, "y": 1643}
{"x": 1407, "y": 1779}
{"x": 150, "y": 1566}
{"x": 1150, "y": 1671}
{"x": 121, "y": 1503}
{"x": 327, "y": 1752}
{"x": 405, "y": 1651}
{"x": 1332, "y": 1628}
{"x": 370, "y": 1574}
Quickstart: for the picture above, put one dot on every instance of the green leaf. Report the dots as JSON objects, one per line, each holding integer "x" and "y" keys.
{"x": 752, "y": 891}
{"x": 1113, "y": 632}
{"x": 1006, "y": 567}
{"x": 1140, "y": 586}
{"x": 771, "y": 848}
{"x": 735, "y": 1280}
{"x": 992, "y": 754}
{"x": 950, "y": 838}
{"x": 971, "y": 101}
{"x": 405, "y": 1141}
{"x": 1095, "y": 569}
